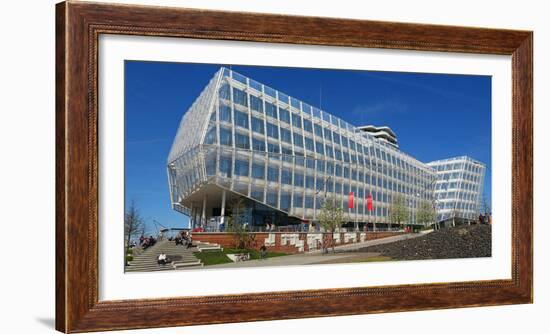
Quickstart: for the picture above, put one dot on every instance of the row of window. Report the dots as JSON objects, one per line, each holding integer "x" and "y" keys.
{"x": 284, "y": 116}
{"x": 457, "y": 185}
{"x": 456, "y": 195}
{"x": 284, "y": 176}
{"x": 255, "y": 101}
{"x": 258, "y": 144}
{"x": 469, "y": 167}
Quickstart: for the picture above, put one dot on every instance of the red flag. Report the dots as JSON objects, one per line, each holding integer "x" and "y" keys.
{"x": 369, "y": 202}
{"x": 350, "y": 202}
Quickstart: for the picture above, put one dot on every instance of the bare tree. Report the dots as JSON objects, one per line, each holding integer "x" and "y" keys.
{"x": 134, "y": 225}
{"x": 331, "y": 217}
{"x": 236, "y": 224}
{"x": 426, "y": 213}
{"x": 399, "y": 211}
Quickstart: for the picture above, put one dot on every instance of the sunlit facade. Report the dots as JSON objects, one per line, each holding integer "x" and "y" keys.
{"x": 243, "y": 139}
{"x": 459, "y": 188}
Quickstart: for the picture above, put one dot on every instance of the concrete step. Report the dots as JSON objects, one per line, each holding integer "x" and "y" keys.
{"x": 147, "y": 260}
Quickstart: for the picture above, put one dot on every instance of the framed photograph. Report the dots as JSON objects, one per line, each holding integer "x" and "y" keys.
{"x": 224, "y": 166}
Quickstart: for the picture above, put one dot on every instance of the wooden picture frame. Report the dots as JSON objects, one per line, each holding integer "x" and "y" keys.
{"x": 78, "y": 26}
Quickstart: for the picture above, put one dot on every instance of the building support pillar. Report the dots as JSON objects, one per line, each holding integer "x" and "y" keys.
{"x": 192, "y": 217}
{"x": 222, "y": 219}
{"x": 203, "y": 216}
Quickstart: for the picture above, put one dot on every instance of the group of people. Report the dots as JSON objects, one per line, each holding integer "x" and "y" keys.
{"x": 184, "y": 239}
{"x": 147, "y": 242}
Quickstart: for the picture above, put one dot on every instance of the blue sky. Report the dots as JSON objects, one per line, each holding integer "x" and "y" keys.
{"x": 435, "y": 116}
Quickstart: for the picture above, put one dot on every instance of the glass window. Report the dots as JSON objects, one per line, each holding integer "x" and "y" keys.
{"x": 308, "y": 126}
{"x": 316, "y": 113}
{"x": 271, "y": 110}
{"x": 241, "y": 167}
{"x": 337, "y": 188}
{"x": 225, "y": 137}
{"x": 285, "y": 201}
{"x": 270, "y": 91}
{"x": 258, "y": 145}
{"x": 286, "y": 176}
{"x": 298, "y": 140}
{"x": 329, "y": 151}
{"x": 318, "y": 130}
{"x": 309, "y": 144}
{"x": 345, "y": 155}
{"x": 225, "y": 91}
{"x": 257, "y": 125}
{"x": 337, "y": 154}
{"x": 284, "y": 115}
{"x": 310, "y": 182}
{"x": 336, "y": 138}
{"x": 326, "y": 116}
{"x": 256, "y": 104}
{"x": 273, "y": 174}
{"x": 241, "y": 141}
{"x": 257, "y": 171}
{"x": 308, "y": 202}
{"x": 225, "y": 113}
{"x": 352, "y": 144}
{"x": 338, "y": 170}
{"x": 298, "y": 179}
{"x": 319, "y": 148}
{"x": 239, "y": 77}
{"x": 257, "y": 194}
{"x": 283, "y": 97}
{"x": 273, "y": 148}
{"x": 328, "y": 134}
{"x": 225, "y": 166}
{"x": 319, "y": 186}
{"x": 344, "y": 141}
{"x": 271, "y": 198}
{"x": 296, "y": 120}
{"x": 295, "y": 103}
{"x": 210, "y": 137}
{"x": 286, "y": 136}
{"x": 239, "y": 97}
{"x": 287, "y": 152}
{"x": 272, "y": 130}
{"x": 321, "y": 166}
{"x": 346, "y": 172}
{"x": 256, "y": 85}
{"x": 330, "y": 167}
{"x": 306, "y": 108}
{"x": 335, "y": 121}
{"x": 241, "y": 119}
{"x": 298, "y": 198}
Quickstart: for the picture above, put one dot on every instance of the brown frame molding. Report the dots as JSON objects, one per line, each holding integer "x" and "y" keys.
{"x": 78, "y": 25}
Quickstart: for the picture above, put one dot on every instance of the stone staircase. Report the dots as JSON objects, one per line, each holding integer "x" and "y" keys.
{"x": 179, "y": 257}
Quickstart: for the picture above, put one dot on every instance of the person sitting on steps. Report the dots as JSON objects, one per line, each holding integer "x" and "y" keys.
{"x": 162, "y": 259}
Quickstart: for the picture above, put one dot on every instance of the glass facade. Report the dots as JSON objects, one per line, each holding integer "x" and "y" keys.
{"x": 286, "y": 155}
{"x": 459, "y": 188}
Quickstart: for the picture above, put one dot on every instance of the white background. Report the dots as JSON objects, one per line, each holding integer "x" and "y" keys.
{"x": 114, "y": 284}
{"x": 27, "y": 166}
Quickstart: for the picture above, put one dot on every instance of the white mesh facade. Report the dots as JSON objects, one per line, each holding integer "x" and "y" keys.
{"x": 459, "y": 187}
{"x": 252, "y": 140}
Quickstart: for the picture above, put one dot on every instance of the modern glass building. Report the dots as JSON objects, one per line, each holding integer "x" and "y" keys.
{"x": 283, "y": 157}
{"x": 459, "y": 188}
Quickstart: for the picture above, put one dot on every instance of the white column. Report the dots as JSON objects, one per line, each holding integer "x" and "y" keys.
{"x": 222, "y": 219}
{"x": 203, "y": 217}
{"x": 192, "y": 217}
